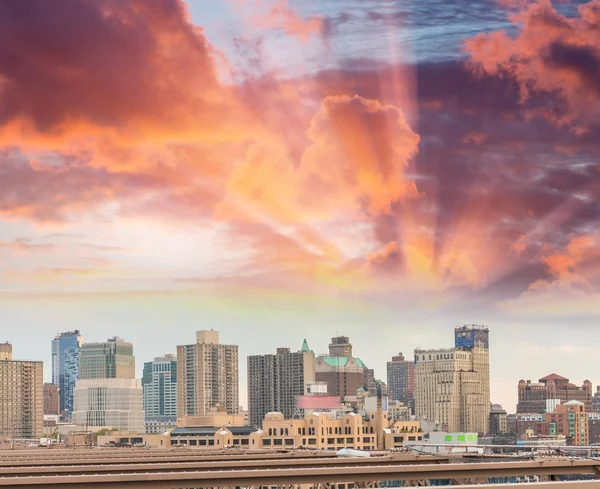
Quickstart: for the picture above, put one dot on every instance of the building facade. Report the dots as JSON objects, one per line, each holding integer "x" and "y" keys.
{"x": 208, "y": 376}
{"x": 343, "y": 373}
{"x": 452, "y": 385}
{"x": 112, "y": 359}
{"x": 276, "y": 380}
{"x": 113, "y": 403}
{"x": 51, "y": 399}
{"x": 498, "y": 420}
{"x": 536, "y": 397}
{"x": 66, "y": 348}
{"x": 21, "y": 397}
{"x": 159, "y": 383}
{"x": 569, "y": 422}
{"x": 401, "y": 380}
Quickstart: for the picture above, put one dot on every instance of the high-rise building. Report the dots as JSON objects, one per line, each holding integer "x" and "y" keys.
{"x": 110, "y": 403}
{"x": 498, "y": 420}
{"x": 343, "y": 373}
{"x": 51, "y": 399}
{"x": 159, "y": 383}
{"x": 541, "y": 397}
{"x": 112, "y": 359}
{"x": 65, "y": 367}
{"x": 452, "y": 385}
{"x": 401, "y": 380}
{"x": 21, "y": 396}
{"x": 207, "y": 376}
{"x": 275, "y": 381}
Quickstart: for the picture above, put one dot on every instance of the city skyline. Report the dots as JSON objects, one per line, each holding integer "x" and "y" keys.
{"x": 526, "y": 371}
{"x": 286, "y": 169}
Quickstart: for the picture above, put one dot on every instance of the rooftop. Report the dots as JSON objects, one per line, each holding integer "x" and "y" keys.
{"x": 342, "y": 361}
{"x": 553, "y": 377}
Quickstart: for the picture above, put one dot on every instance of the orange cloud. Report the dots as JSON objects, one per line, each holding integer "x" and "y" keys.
{"x": 554, "y": 59}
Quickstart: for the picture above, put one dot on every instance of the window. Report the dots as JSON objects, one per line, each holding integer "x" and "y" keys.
{"x": 349, "y": 440}
{"x": 202, "y": 443}
{"x": 312, "y": 441}
{"x": 277, "y": 441}
{"x": 211, "y": 443}
{"x": 330, "y": 441}
{"x": 340, "y": 441}
{"x": 270, "y": 432}
{"x": 289, "y": 441}
{"x": 267, "y": 442}
{"x": 193, "y": 443}
{"x": 245, "y": 441}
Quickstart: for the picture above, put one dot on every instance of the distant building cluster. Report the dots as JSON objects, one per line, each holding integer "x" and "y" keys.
{"x": 295, "y": 397}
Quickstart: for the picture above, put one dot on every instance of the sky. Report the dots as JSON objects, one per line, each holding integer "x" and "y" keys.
{"x": 285, "y": 169}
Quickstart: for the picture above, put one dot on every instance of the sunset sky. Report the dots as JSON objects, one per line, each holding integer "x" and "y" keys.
{"x": 281, "y": 169}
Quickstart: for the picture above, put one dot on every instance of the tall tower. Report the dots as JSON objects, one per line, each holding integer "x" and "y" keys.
{"x": 112, "y": 359}
{"x": 208, "y": 376}
{"x": 401, "y": 380}
{"x": 275, "y": 381}
{"x": 66, "y": 348}
{"x": 452, "y": 385}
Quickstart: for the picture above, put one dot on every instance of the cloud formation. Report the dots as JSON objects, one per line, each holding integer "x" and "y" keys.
{"x": 553, "y": 59}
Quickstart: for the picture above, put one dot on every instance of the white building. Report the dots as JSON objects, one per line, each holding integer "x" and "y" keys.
{"x": 109, "y": 403}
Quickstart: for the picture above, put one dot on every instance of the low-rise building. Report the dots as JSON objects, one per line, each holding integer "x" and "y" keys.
{"x": 569, "y": 420}
{"x": 215, "y": 437}
{"x": 159, "y": 424}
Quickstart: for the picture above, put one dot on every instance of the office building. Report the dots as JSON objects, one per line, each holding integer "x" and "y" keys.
{"x": 113, "y": 403}
{"x": 452, "y": 385}
{"x": 343, "y": 373}
{"x": 159, "y": 383}
{"x": 112, "y": 359}
{"x": 21, "y": 397}
{"x": 276, "y": 380}
{"x": 208, "y": 376}
{"x": 51, "y": 399}
{"x": 401, "y": 380}
{"x": 498, "y": 420}
{"x": 541, "y": 396}
{"x": 65, "y": 367}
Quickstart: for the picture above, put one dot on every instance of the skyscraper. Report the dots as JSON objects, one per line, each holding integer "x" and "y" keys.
{"x": 159, "y": 382}
{"x": 21, "y": 396}
{"x": 107, "y": 393}
{"x": 112, "y": 359}
{"x": 401, "y": 380}
{"x": 274, "y": 381}
{"x": 208, "y": 376}
{"x": 452, "y": 385}
{"x": 65, "y": 367}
